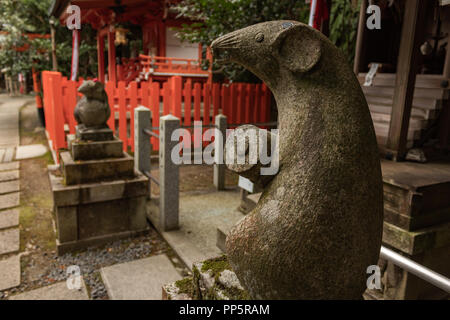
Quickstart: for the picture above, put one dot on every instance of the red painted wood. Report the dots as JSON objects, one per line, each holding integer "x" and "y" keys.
{"x": 265, "y": 104}
{"x": 133, "y": 94}
{"x": 122, "y": 114}
{"x": 47, "y": 99}
{"x": 225, "y": 97}
{"x": 216, "y": 99}
{"x": 154, "y": 106}
{"x": 187, "y": 102}
{"x": 257, "y": 106}
{"x": 111, "y": 58}
{"x": 58, "y": 116}
{"x": 72, "y": 101}
{"x": 197, "y": 110}
{"x": 109, "y": 88}
{"x": 176, "y": 85}
{"x": 247, "y": 105}
{"x": 206, "y": 110}
{"x": 197, "y": 101}
{"x": 233, "y": 103}
{"x": 166, "y": 98}
{"x": 206, "y": 103}
{"x": 241, "y": 103}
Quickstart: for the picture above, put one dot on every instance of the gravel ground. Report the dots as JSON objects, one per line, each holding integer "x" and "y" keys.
{"x": 90, "y": 262}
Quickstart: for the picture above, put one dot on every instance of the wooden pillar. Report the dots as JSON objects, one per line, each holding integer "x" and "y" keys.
{"x": 101, "y": 57}
{"x": 360, "y": 37}
{"x": 111, "y": 57}
{"x": 407, "y": 67}
{"x": 53, "y": 35}
{"x": 162, "y": 39}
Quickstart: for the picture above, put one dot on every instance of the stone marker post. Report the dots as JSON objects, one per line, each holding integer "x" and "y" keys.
{"x": 142, "y": 145}
{"x": 219, "y": 166}
{"x": 168, "y": 175}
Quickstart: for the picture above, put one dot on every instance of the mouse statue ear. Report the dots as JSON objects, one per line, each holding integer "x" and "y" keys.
{"x": 298, "y": 48}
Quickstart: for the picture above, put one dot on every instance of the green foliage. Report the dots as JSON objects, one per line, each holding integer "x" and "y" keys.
{"x": 218, "y": 17}
{"x": 18, "y": 17}
{"x": 344, "y": 25}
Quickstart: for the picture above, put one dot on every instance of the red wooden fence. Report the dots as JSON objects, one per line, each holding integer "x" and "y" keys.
{"x": 240, "y": 102}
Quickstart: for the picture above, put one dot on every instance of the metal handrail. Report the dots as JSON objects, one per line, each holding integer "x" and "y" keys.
{"x": 148, "y": 175}
{"x": 420, "y": 271}
{"x": 150, "y": 133}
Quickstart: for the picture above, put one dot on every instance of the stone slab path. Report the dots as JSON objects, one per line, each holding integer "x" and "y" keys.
{"x": 30, "y": 151}
{"x": 9, "y": 191}
{"x": 10, "y": 272}
{"x": 139, "y": 279}
{"x": 57, "y": 291}
{"x": 200, "y": 217}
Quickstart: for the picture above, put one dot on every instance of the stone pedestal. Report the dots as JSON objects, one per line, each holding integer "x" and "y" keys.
{"x": 416, "y": 225}
{"x": 97, "y": 195}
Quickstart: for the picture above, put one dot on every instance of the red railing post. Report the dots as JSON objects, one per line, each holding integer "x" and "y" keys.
{"x": 109, "y": 88}
{"x": 57, "y": 116}
{"x": 133, "y": 94}
{"x": 155, "y": 97}
{"x": 166, "y": 98}
{"x": 216, "y": 99}
{"x": 71, "y": 103}
{"x": 123, "y": 135}
{"x": 176, "y": 96}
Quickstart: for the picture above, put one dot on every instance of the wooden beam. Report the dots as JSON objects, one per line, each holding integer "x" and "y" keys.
{"x": 111, "y": 58}
{"x": 407, "y": 67}
{"x": 360, "y": 37}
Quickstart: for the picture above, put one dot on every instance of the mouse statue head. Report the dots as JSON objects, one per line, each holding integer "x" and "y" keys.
{"x": 92, "y": 89}
{"x": 270, "y": 48}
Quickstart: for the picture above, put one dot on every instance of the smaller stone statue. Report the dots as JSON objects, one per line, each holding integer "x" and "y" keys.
{"x": 92, "y": 111}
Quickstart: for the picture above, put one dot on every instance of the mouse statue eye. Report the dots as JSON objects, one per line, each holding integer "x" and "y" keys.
{"x": 259, "y": 37}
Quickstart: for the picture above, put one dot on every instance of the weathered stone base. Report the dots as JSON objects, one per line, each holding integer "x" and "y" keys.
{"x": 82, "y": 150}
{"x": 95, "y": 213}
{"x": 93, "y": 134}
{"x": 76, "y": 172}
{"x": 213, "y": 280}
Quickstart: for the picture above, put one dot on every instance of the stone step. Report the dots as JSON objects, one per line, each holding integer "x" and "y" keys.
{"x": 77, "y": 172}
{"x": 9, "y": 186}
{"x": 9, "y": 200}
{"x": 9, "y": 175}
{"x": 141, "y": 279}
{"x": 57, "y": 291}
{"x": 9, "y": 218}
{"x": 9, "y": 272}
{"x": 9, "y": 166}
{"x": 9, "y": 241}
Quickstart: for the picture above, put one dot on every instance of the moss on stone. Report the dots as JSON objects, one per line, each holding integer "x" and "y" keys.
{"x": 185, "y": 286}
{"x": 216, "y": 266}
{"x": 233, "y": 293}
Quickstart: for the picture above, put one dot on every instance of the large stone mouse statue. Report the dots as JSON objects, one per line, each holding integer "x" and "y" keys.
{"x": 92, "y": 110}
{"x": 318, "y": 224}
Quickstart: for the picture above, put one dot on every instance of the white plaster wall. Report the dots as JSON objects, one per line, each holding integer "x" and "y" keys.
{"x": 176, "y": 49}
